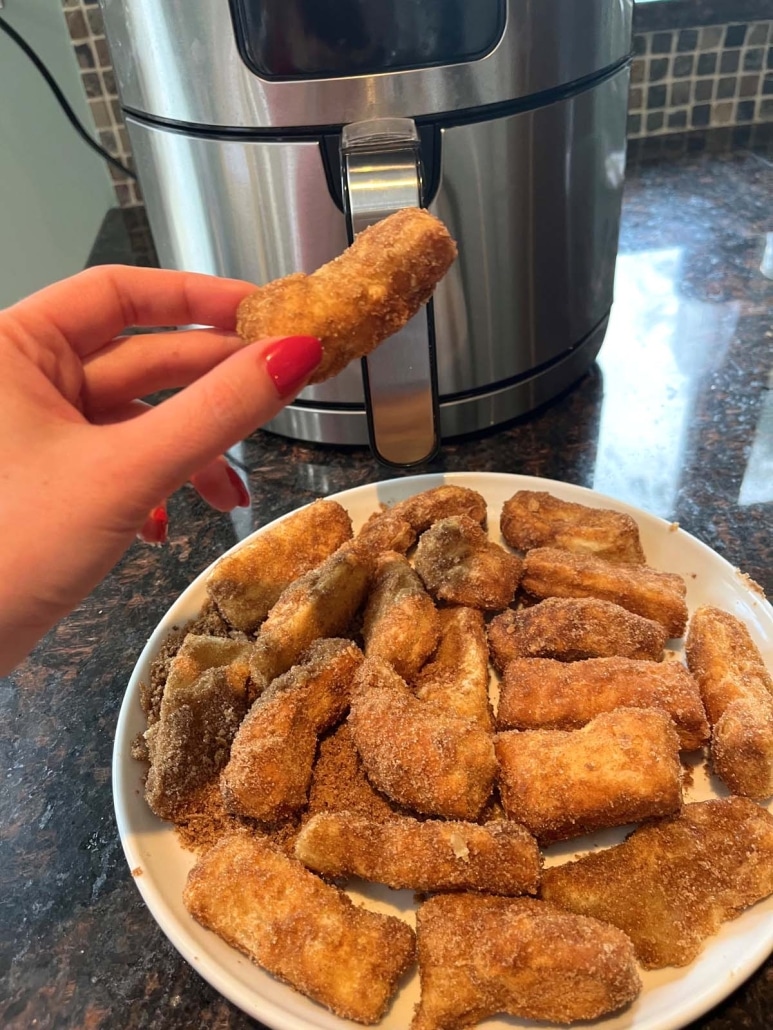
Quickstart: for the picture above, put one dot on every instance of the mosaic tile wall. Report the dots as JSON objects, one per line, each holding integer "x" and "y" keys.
{"x": 714, "y": 76}
{"x": 87, "y": 32}
{"x": 681, "y": 80}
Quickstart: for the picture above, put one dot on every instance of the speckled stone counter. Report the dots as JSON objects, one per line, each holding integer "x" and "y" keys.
{"x": 676, "y": 417}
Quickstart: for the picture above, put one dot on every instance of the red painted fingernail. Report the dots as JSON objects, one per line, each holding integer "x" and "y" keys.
{"x": 156, "y": 524}
{"x": 291, "y": 360}
{"x": 239, "y": 487}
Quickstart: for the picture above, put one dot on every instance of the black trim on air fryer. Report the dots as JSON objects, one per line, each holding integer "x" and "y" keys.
{"x": 241, "y": 30}
{"x": 349, "y": 407}
{"x": 466, "y": 116}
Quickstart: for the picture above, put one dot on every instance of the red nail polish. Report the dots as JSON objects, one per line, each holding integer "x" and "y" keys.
{"x": 239, "y": 487}
{"x": 156, "y": 524}
{"x": 291, "y": 360}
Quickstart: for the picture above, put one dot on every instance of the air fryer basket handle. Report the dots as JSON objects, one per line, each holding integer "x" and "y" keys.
{"x": 381, "y": 170}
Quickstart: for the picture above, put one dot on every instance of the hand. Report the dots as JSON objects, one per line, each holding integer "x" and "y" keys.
{"x": 82, "y": 461}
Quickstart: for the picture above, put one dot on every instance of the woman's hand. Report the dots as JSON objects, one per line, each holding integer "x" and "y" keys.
{"x": 84, "y": 466}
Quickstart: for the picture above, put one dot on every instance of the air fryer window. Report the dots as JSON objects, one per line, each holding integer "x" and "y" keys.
{"x": 291, "y": 39}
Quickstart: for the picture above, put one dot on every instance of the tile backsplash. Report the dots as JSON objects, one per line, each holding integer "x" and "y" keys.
{"x": 701, "y": 78}
{"x": 681, "y": 79}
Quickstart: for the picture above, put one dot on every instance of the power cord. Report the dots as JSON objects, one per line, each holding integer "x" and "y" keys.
{"x": 62, "y": 99}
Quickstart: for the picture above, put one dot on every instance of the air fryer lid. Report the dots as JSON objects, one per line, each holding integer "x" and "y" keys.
{"x": 285, "y": 39}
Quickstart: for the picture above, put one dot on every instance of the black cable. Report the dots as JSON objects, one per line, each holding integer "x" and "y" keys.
{"x": 63, "y": 103}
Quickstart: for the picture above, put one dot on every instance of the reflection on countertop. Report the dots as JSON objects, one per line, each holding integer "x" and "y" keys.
{"x": 676, "y": 417}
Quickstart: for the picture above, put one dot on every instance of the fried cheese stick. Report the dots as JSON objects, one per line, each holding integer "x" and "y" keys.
{"x": 322, "y": 603}
{"x": 400, "y": 624}
{"x": 542, "y": 693}
{"x": 482, "y": 955}
{"x": 459, "y": 564}
{"x": 673, "y": 882}
{"x": 660, "y": 596}
{"x": 621, "y": 767}
{"x": 534, "y": 518}
{"x": 457, "y": 677}
{"x": 299, "y": 928}
{"x": 268, "y": 773}
{"x": 737, "y": 691}
{"x": 246, "y": 584}
{"x": 570, "y": 629}
{"x": 386, "y": 531}
{"x": 357, "y": 300}
{"x": 434, "y": 855}
{"x": 441, "y": 502}
{"x": 413, "y": 751}
{"x": 203, "y": 704}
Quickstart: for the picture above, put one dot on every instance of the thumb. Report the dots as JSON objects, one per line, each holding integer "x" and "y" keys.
{"x": 184, "y": 433}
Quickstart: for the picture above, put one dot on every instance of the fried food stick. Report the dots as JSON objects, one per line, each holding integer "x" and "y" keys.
{"x": 441, "y": 502}
{"x": 457, "y": 677}
{"x": 542, "y": 693}
{"x": 204, "y": 701}
{"x": 268, "y": 773}
{"x": 460, "y": 565}
{"x": 356, "y": 301}
{"x": 672, "y": 883}
{"x": 621, "y": 767}
{"x": 570, "y": 629}
{"x": 660, "y": 596}
{"x": 416, "y": 753}
{"x": 246, "y": 584}
{"x": 500, "y": 857}
{"x": 481, "y": 955}
{"x": 386, "y": 531}
{"x": 322, "y": 603}
{"x": 298, "y": 928}
{"x": 534, "y": 518}
{"x": 400, "y": 623}
{"x": 737, "y": 691}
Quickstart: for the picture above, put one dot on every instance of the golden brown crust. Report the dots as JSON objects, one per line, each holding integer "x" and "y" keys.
{"x": 542, "y": 693}
{"x": 322, "y": 603}
{"x": 246, "y": 584}
{"x": 460, "y": 565}
{"x": 479, "y": 956}
{"x": 204, "y": 701}
{"x": 621, "y": 767}
{"x": 660, "y": 596}
{"x": 500, "y": 857}
{"x": 353, "y": 303}
{"x": 414, "y": 752}
{"x": 737, "y": 691}
{"x": 299, "y": 928}
{"x": 268, "y": 773}
{"x": 441, "y": 502}
{"x": 673, "y": 882}
{"x": 457, "y": 677}
{"x": 386, "y": 531}
{"x": 400, "y": 624}
{"x": 339, "y": 782}
{"x": 534, "y": 518}
{"x": 570, "y": 629}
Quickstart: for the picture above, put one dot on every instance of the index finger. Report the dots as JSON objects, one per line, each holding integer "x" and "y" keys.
{"x": 90, "y": 308}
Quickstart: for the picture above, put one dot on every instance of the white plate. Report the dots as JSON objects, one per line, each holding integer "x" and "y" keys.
{"x": 671, "y": 998}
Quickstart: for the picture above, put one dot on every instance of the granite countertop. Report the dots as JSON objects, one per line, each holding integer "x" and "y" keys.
{"x": 676, "y": 417}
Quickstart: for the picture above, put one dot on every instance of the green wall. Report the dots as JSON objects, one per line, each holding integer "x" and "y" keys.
{"x": 54, "y": 190}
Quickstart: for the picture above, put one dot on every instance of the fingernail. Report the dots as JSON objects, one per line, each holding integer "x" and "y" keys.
{"x": 239, "y": 487}
{"x": 154, "y": 531}
{"x": 291, "y": 360}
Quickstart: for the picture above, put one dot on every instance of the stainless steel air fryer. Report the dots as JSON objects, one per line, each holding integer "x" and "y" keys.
{"x": 267, "y": 133}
